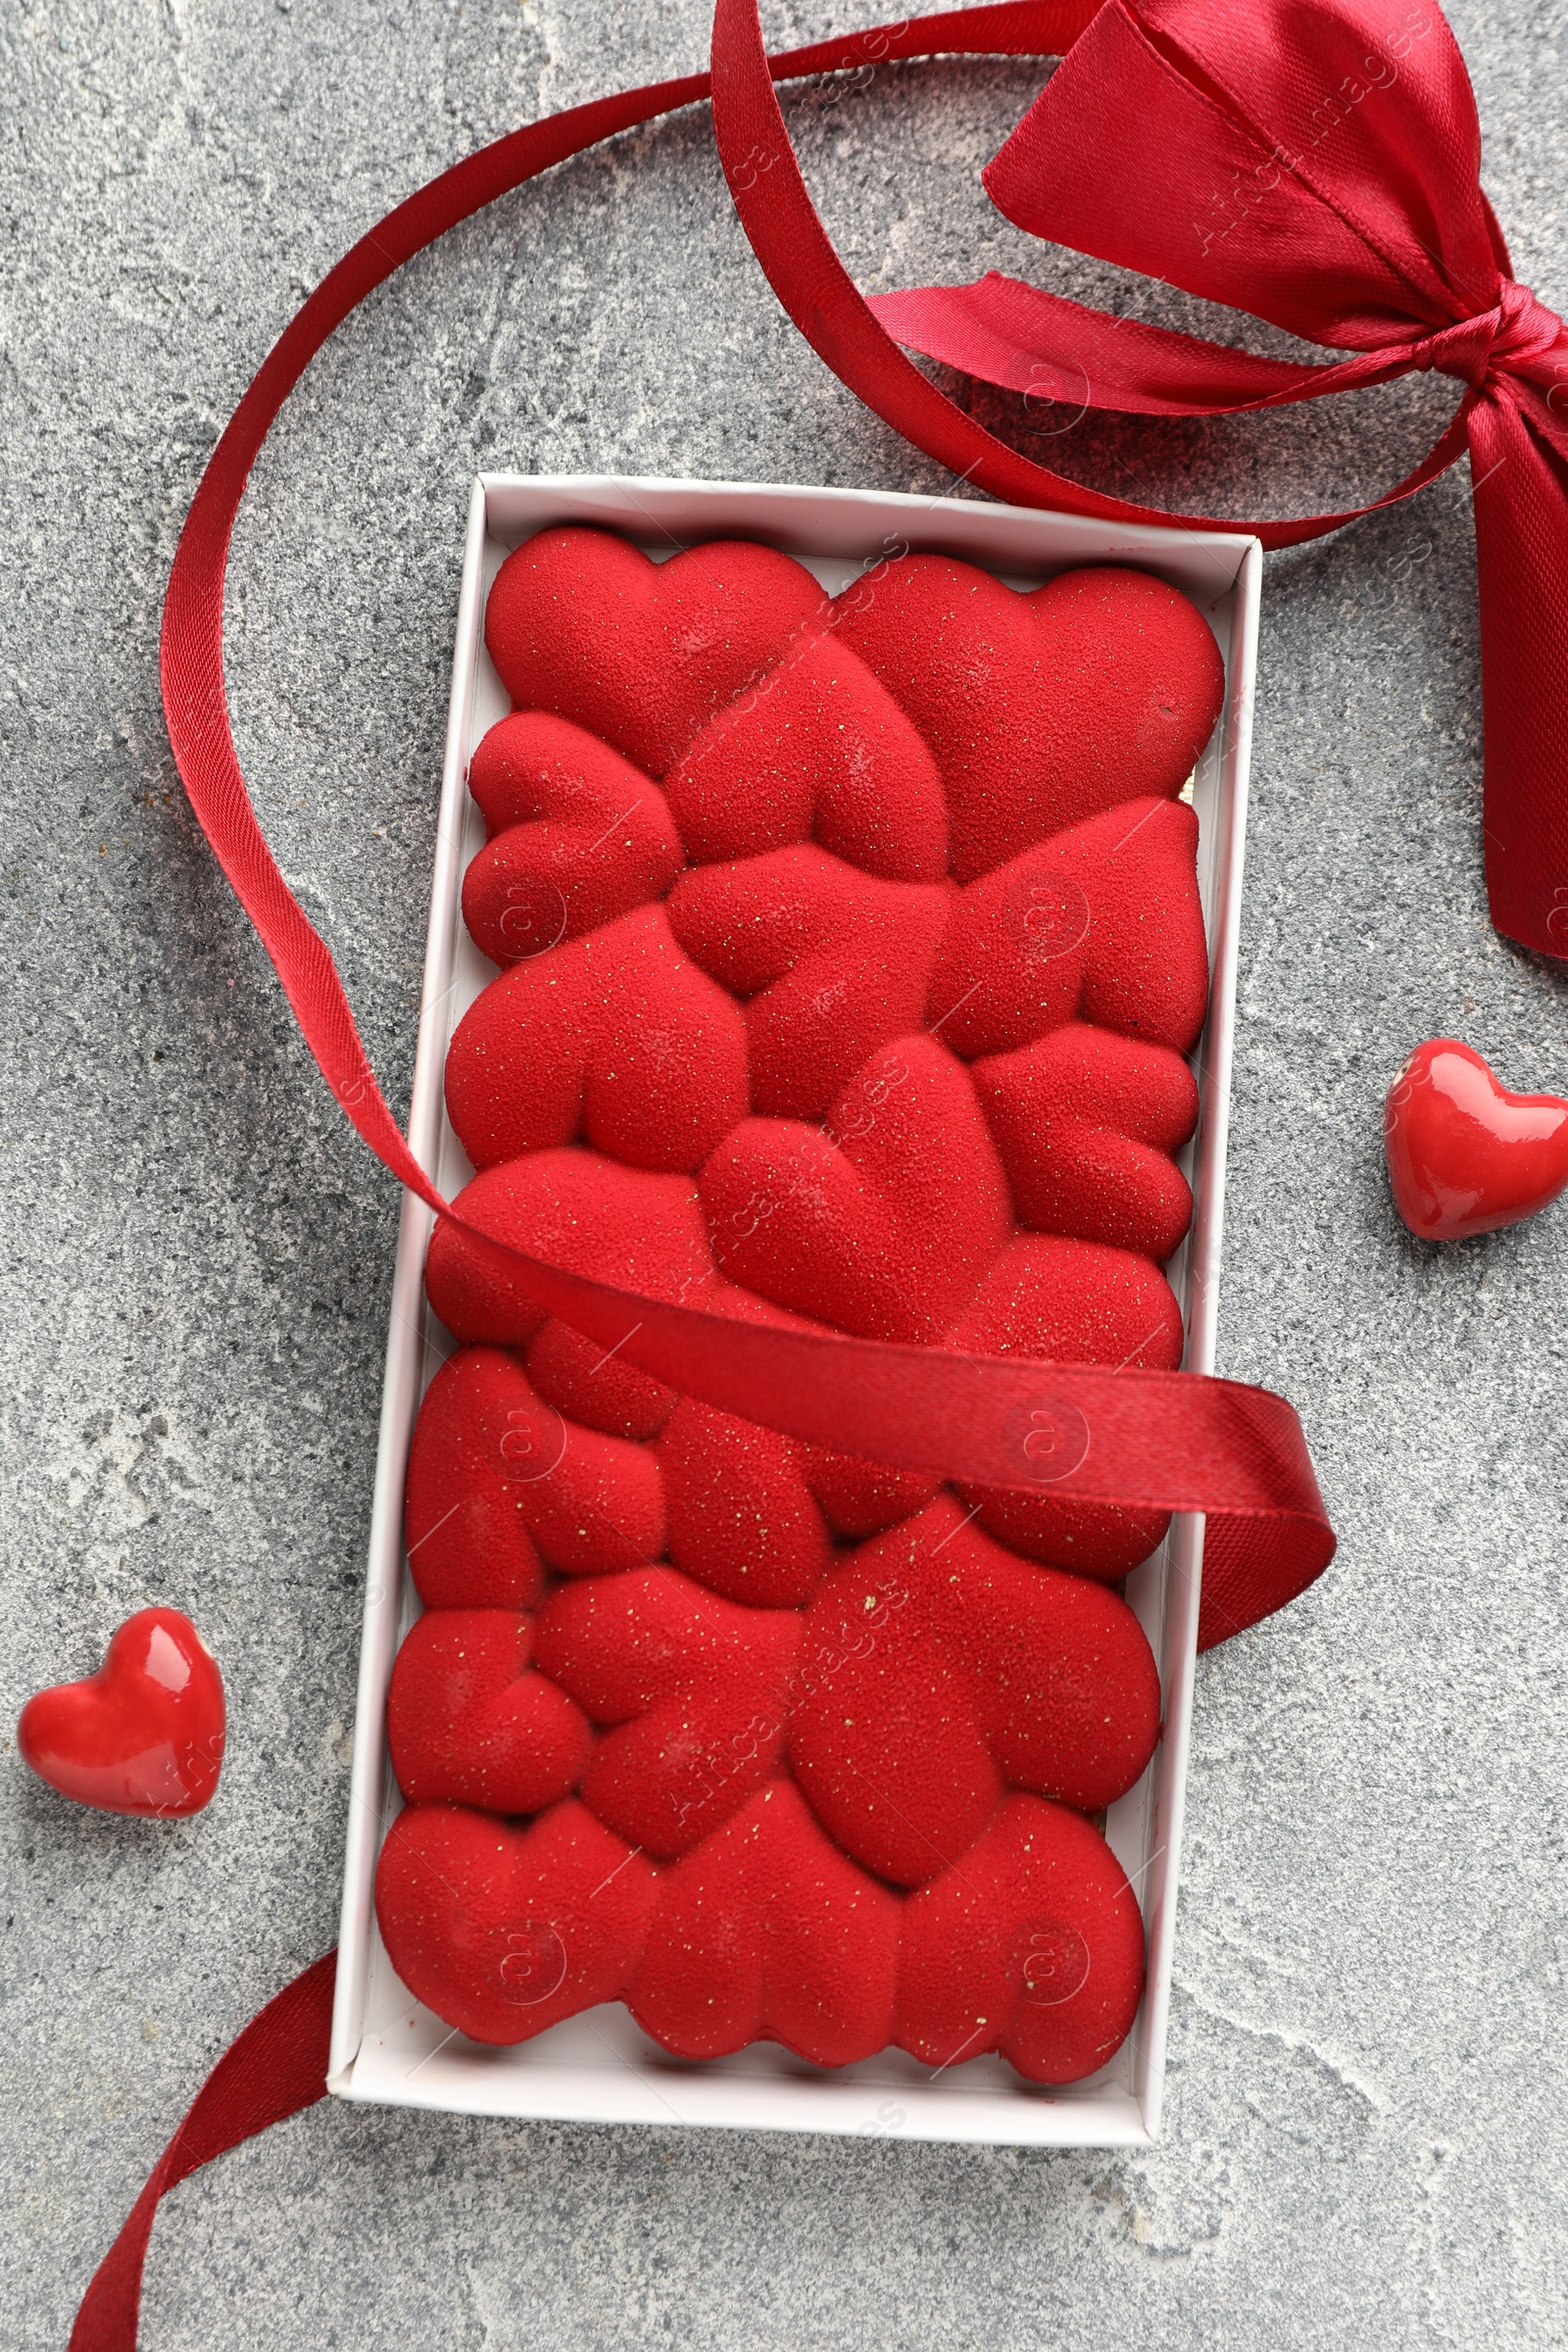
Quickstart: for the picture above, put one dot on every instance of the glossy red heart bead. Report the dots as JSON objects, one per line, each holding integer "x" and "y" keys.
{"x": 1465, "y": 1156}
{"x": 143, "y": 1734}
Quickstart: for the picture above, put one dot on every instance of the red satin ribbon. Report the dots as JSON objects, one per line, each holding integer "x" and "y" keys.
{"x": 1171, "y": 1441}
{"x": 271, "y": 2070}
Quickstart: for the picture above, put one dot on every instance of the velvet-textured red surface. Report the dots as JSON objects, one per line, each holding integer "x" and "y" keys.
{"x": 851, "y": 954}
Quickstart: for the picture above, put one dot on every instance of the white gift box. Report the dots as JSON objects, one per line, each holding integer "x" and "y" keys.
{"x": 600, "y": 2067}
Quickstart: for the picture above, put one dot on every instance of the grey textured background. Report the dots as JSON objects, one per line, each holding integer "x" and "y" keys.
{"x": 1366, "y": 2137}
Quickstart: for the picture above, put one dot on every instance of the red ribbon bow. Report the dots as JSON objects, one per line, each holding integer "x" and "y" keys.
{"x": 1314, "y": 163}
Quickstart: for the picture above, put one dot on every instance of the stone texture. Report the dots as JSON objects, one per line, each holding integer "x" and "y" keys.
{"x": 1365, "y": 2138}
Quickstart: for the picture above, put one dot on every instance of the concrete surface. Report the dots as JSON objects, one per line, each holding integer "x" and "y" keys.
{"x": 1366, "y": 2127}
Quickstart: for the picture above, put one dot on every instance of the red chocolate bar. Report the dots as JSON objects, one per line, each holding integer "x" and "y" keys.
{"x": 852, "y": 953}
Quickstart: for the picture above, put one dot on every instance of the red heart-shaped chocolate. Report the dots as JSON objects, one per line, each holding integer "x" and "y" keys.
{"x": 1043, "y": 710}
{"x": 936, "y": 1669}
{"x": 642, "y": 654}
{"x": 575, "y": 836}
{"x": 1464, "y": 1154}
{"x": 143, "y": 1734}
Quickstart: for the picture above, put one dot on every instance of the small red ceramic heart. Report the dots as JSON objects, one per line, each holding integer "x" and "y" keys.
{"x": 143, "y": 1734}
{"x": 1465, "y": 1156}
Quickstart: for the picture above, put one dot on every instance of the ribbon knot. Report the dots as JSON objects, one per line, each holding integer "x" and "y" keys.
{"x": 1526, "y": 335}
{"x": 1518, "y": 336}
